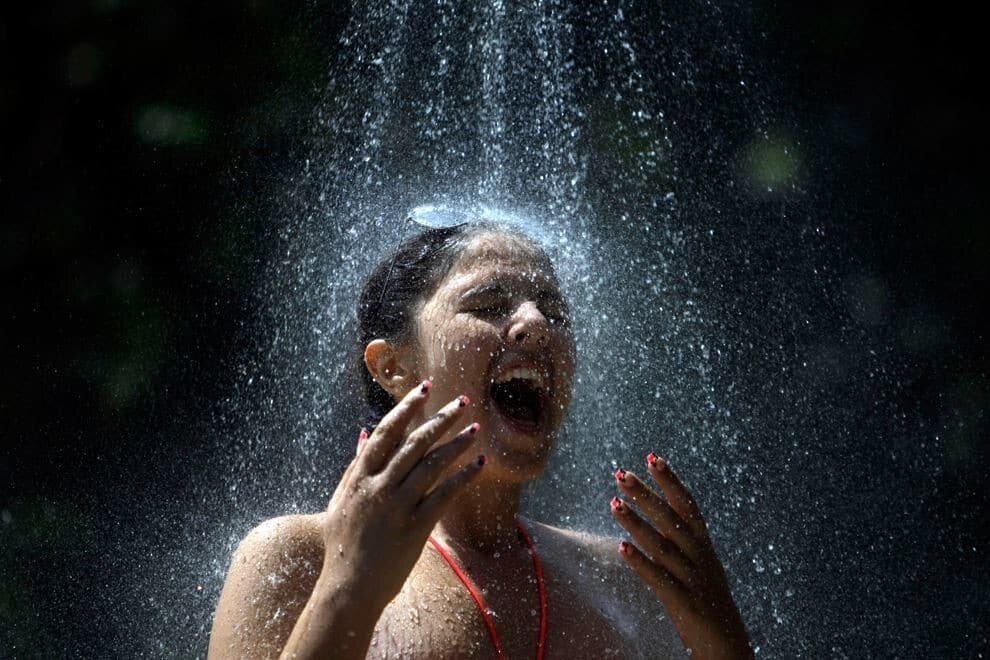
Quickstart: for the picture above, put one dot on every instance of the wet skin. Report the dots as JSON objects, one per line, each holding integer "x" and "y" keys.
{"x": 346, "y": 580}
{"x": 499, "y": 307}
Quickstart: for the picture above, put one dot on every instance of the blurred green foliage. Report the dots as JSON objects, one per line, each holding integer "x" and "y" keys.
{"x": 773, "y": 161}
{"x": 168, "y": 125}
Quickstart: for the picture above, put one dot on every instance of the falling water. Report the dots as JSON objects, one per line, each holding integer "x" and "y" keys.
{"x": 710, "y": 292}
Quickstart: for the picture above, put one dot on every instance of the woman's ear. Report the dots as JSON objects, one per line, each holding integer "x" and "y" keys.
{"x": 391, "y": 366}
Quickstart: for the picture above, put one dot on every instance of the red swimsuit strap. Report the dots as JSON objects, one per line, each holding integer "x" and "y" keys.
{"x": 538, "y": 569}
{"x": 483, "y": 608}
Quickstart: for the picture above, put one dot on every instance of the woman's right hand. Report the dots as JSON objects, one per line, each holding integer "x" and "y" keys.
{"x": 383, "y": 510}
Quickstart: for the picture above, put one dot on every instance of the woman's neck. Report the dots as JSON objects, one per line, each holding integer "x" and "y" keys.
{"x": 482, "y": 518}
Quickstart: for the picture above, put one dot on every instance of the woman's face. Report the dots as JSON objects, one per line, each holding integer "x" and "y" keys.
{"x": 496, "y": 329}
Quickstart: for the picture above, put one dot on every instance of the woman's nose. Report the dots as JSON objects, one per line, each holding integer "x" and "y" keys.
{"x": 529, "y": 326}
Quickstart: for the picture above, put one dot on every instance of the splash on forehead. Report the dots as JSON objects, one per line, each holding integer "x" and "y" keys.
{"x": 499, "y": 249}
{"x": 486, "y": 256}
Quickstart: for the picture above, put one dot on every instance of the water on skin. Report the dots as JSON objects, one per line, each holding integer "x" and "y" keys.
{"x": 710, "y": 317}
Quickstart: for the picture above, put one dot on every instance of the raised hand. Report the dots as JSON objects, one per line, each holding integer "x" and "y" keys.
{"x": 673, "y": 555}
{"x": 377, "y": 523}
{"x": 383, "y": 509}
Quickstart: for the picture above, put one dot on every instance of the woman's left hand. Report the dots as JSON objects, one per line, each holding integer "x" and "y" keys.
{"x": 674, "y": 556}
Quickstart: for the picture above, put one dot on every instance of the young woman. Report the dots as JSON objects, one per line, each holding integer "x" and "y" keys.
{"x": 468, "y": 361}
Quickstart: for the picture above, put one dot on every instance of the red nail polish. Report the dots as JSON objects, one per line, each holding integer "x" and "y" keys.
{"x": 363, "y": 435}
{"x": 463, "y": 400}
{"x": 474, "y": 428}
{"x": 620, "y": 474}
{"x": 425, "y": 387}
{"x": 623, "y": 547}
{"x": 481, "y": 460}
{"x": 651, "y": 458}
{"x": 616, "y": 504}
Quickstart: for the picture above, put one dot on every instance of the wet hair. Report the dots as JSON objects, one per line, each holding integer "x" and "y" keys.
{"x": 405, "y": 277}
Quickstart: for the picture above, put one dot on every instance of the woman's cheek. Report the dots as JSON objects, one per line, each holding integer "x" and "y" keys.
{"x": 474, "y": 357}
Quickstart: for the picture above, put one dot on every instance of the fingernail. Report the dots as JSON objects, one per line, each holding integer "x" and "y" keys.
{"x": 623, "y": 547}
{"x": 620, "y": 474}
{"x": 363, "y": 435}
{"x": 481, "y": 460}
{"x": 616, "y": 504}
{"x": 474, "y": 428}
{"x": 425, "y": 387}
{"x": 463, "y": 400}
{"x": 651, "y": 458}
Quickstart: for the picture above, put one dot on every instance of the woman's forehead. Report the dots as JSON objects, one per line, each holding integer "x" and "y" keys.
{"x": 498, "y": 256}
{"x": 498, "y": 246}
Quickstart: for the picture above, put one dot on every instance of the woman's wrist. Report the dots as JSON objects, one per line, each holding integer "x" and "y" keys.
{"x": 338, "y": 620}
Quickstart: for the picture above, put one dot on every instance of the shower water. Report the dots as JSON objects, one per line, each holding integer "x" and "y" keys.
{"x": 648, "y": 155}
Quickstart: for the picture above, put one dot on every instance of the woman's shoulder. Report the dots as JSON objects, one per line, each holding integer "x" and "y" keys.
{"x": 584, "y": 557}
{"x": 294, "y": 534}
{"x": 588, "y": 545}
{"x": 278, "y": 558}
{"x": 271, "y": 575}
{"x": 282, "y": 552}
{"x": 592, "y": 565}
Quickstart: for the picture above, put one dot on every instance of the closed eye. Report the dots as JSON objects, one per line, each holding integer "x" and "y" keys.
{"x": 493, "y": 301}
{"x": 489, "y": 310}
{"x": 555, "y": 309}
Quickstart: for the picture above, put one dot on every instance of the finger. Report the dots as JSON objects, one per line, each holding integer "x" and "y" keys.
{"x": 392, "y": 429}
{"x": 657, "y": 548}
{"x": 421, "y": 439}
{"x": 431, "y": 508}
{"x": 667, "y": 521}
{"x": 362, "y": 437}
{"x": 678, "y": 495}
{"x": 669, "y": 589}
{"x": 427, "y": 471}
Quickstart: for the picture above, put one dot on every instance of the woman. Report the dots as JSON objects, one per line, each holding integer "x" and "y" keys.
{"x": 468, "y": 362}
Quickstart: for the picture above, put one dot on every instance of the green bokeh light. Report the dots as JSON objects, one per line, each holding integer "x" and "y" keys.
{"x": 169, "y": 125}
{"x": 774, "y": 161}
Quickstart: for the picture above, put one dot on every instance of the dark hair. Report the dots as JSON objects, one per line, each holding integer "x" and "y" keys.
{"x": 404, "y": 278}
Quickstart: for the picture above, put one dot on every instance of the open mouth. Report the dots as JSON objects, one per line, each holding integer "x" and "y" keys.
{"x": 520, "y": 396}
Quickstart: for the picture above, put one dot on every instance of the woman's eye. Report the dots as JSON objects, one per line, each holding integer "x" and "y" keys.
{"x": 491, "y": 309}
{"x": 555, "y": 311}
{"x": 556, "y": 315}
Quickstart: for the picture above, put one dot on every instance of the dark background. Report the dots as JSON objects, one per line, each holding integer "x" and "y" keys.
{"x": 141, "y": 141}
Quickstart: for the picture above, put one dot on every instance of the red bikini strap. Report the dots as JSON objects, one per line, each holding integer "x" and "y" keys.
{"x": 483, "y": 608}
{"x": 475, "y": 595}
{"x": 538, "y": 569}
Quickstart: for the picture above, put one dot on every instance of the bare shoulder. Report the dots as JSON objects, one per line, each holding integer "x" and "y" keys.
{"x": 283, "y": 538}
{"x": 586, "y": 560}
{"x": 571, "y": 543}
{"x": 271, "y": 575}
{"x": 593, "y": 566}
{"x": 603, "y": 552}
{"x": 279, "y": 553}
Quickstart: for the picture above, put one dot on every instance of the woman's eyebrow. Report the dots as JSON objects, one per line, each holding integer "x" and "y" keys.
{"x": 487, "y": 288}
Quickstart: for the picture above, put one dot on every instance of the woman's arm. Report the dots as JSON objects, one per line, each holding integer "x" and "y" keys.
{"x": 338, "y": 619}
{"x": 318, "y": 584}
{"x": 278, "y": 581}
{"x": 266, "y": 585}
